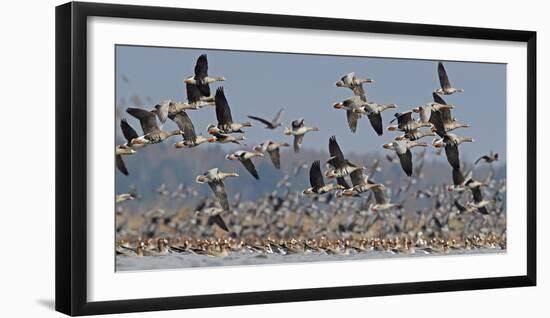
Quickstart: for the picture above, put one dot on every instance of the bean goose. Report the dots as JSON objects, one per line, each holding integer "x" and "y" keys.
{"x": 274, "y": 123}
{"x": 298, "y": 131}
{"x": 403, "y": 150}
{"x": 349, "y": 105}
{"x": 354, "y": 83}
{"x": 446, "y": 88}
{"x": 223, "y": 114}
{"x": 317, "y": 182}
{"x": 273, "y": 149}
{"x": 214, "y": 177}
{"x": 245, "y": 157}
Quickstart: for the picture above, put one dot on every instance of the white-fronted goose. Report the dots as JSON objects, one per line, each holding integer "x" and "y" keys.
{"x": 443, "y": 122}
{"x": 200, "y": 139}
{"x": 354, "y": 83}
{"x": 317, "y": 182}
{"x": 349, "y": 105}
{"x": 223, "y": 114}
{"x": 274, "y": 123}
{"x": 374, "y": 113}
{"x": 273, "y": 149}
{"x": 214, "y": 177}
{"x": 490, "y": 158}
{"x": 186, "y": 126}
{"x": 406, "y": 123}
{"x": 451, "y": 143}
{"x": 201, "y": 78}
{"x": 217, "y": 136}
{"x": 342, "y": 167}
{"x": 403, "y": 150}
{"x": 245, "y": 157}
{"x": 446, "y": 88}
{"x": 425, "y": 111}
{"x": 151, "y": 130}
{"x": 381, "y": 198}
{"x": 361, "y": 184}
{"x": 415, "y": 134}
{"x": 298, "y": 131}
{"x": 127, "y": 148}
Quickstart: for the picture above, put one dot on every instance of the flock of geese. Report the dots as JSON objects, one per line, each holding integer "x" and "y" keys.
{"x": 350, "y": 179}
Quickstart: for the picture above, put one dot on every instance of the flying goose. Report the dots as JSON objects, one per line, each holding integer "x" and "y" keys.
{"x": 124, "y": 197}
{"x": 361, "y": 184}
{"x": 342, "y": 167}
{"x": 491, "y": 157}
{"x": 245, "y": 158}
{"x": 374, "y": 113}
{"x": 151, "y": 130}
{"x": 217, "y": 136}
{"x": 479, "y": 203}
{"x": 403, "y": 150}
{"x": 317, "y": 183}
{"x": 223, "y": 114}
{"x": 459, "y": 181}
{"x": 443, "y": 122}
{"x": 446, "y": 88}
{"x": 406, "y": 123}
{"x": 274, "y": 123}
{"x": 354, "y": 83}
{"x": 201, "y": 78}
{"x": 349, "y": 105}
{"x": 273, "y": 149}
{"x": 451, "y": 143}
{"x": 186, "y": 126}
{"x": 214, "y": 177}
{"x": 127, "y": 148}
{"x": 381, "y": 198}
{"x": 214, "y": 217}
{"x": 425, "y": 111}
{"x": 415, "y": 134}
{"x": 298, "y": 131}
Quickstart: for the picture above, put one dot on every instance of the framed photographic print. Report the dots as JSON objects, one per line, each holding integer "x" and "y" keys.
{"x": 209, "y": 158}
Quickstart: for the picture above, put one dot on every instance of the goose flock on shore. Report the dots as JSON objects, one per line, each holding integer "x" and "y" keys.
{"x": 341, "y": 179}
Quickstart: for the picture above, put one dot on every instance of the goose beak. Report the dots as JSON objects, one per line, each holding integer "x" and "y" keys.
{"x": 392, "y": 128}
{"x": 212, "y": 139}
{"x": 178, "y": 145}
{"x": 338, "y": 105}
{"x": 387, "y": 146}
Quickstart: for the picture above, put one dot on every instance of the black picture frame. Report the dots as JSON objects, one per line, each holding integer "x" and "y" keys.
{"x": 71, "y": 157}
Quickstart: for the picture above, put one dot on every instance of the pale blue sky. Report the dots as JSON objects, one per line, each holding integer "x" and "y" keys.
{"x": 260, "y": 83}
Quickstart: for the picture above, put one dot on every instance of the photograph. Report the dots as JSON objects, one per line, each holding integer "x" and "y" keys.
{"x": 246, "y": 158}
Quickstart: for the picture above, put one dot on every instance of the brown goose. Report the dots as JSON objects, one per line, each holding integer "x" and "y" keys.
{"x": 425, "y": 111}
{"x": 446, "y": 88}
{"x": 201, "y": 78}
{"x": 406, "y": 123}
{"x": 217, "y": 136}
{"x": 354, "y": 83}
{"x": 403, "y": 150}
{"x": 186, "y": 126}
{"x": 273, "y": 149}
{"x": 223, "y": 114}
{"x": 298, "y": 131}
{"x": 214, "y": 177}
{"x": 127, "y": 148}
{"x": 245, "y": 157}
{"x": 360, "y": 183}
{"x": 349, "y": 105}
{"x": 151, "y": 130}
{"x": 317, "y": 183}
{"x": 274, "y": 123}
{"x": 451, "y": 143}
{"x": 342, "y": 167}
{"x": 374, "y": 113}
{"x": 415, "y": 134}
{"x": 443, "y": 122}
{"x": 381, "y": 198}
{"x": 490, "y": 158}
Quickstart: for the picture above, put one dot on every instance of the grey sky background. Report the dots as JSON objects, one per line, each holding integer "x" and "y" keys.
{"x": 259, "y": 83}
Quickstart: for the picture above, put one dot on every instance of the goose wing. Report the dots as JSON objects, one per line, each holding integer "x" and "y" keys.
{"x": 146, "y": 118}
{"x": 337, "y": 157}
{"x": 352, "y": 120}
{"x": 357, "y": 177}
{"x": 201, "y": 67}
{"x": 127, "y": 130}
{"x": 162, "y": 111}
{"x": 275, "y": 157}
{"x": 485, "y": 157}
{"x": 223, "y": 112}
{"x": 438, "y": 99}
{"x": 458, "y": 177}
{"x": 247, "y": 163}
{"x": 121, "y": 165}
{"x": 298, "y": 123}
{"x": 459, "y": 206}
{"x": 342, "y": 181}
{"x": 379, "y": 194}
{"x": 315, "y": 175}
{"x": 435, "y": 119}
{"x": 186, "y": 125}
{"x": 443, "y": 78}
{"x": 193, "y": 93}
{"x": 218, "y": 220}
{"x": 278, "y": 116}
{"x": 298, "y": 142}
{"x": 358, "y": 90}
{"x": 375, "y": 120}
{"x": 264, "y": 121}
{"x": 404, "y": 118}
{"x": 476, "y": 192}
{"x": 218, "y": 188}
{"x": 451, "y": 150}
{"x": 406, "y": 162}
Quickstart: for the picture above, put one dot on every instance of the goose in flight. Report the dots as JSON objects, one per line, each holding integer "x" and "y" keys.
{"x": 443, "y": 122}
{"x": 451, "y": 143}
{"x": 298, "y": 131}
{"x": 403, "y": 150}
{"x": 124, "y": 197}
{"x": 317, "y": 182}
{"x": 361, "y": 184}
{"x": 214, "y": 177}
{"x": 354, "y": 83}
{"x": 195, "y": 98}
{"x": 349, "y": 105}
{"x": 214, "y": 214}
{"x": 342, "y": 167}
{"x": 127, "y": 148}
{"x": 223, "y": 114}
{"x": 406, "y": 123}
{"x": 201, "y": 78}
{"x": 151, "y": 129}
{"x": 245, "y": 157}
{"x": 415, "y": 134}
{"x": 425, "y": 111}
{"x": 479, "y": 203}
{"x": 490, "y": 158}
{"x": 374, "y": 113}
{"x": 446, "y": 88}
{"x": 382, "y": 202}
{"x": 274, "y": 123}
{"x": 186, "y": 126}
{"x": 459, "y": 181}
{"x": 273, "y": 149}
{"x": 217, "y": 136}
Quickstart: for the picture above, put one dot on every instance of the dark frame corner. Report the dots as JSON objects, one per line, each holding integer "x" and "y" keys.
{"x": 70, "y": 223}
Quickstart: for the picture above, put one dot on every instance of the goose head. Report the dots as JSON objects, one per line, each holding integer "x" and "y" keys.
{"x": 231, "y": 156}
{"x": 287, "y": 131}
{"x": 212, "y": 129}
